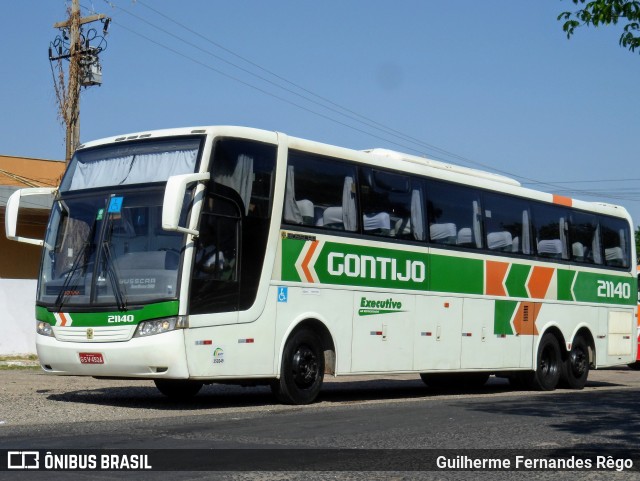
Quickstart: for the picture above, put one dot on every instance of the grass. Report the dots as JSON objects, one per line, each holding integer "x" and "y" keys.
{"x": 15, "y": 362}
{"x": 30, "y": 357}
{"x": 16, "y": 367}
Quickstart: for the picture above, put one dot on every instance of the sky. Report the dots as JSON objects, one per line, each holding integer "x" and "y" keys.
{"x": 494, "y": 85}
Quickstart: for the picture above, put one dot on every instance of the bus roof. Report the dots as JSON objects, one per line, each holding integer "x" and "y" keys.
{"x": 392, "y": 154}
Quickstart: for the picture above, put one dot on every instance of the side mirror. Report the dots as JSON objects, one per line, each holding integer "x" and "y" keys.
{"x": 174, "y": 200}
{"x": 11, "y": 213}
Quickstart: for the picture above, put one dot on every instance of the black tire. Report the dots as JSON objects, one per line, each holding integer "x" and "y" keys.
{"x": 178, "y": 388}
{"x": 634, "y": 365}
{"x": 575, "y": 368}
{"x": 302, "y": 369}
{"x": 548, "y": 365}
{"x": 455, "y": 380}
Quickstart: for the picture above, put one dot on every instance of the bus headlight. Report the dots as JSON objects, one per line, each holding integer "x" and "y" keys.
{"x": 158, "y": 326}
{"x": 44, "y": 328}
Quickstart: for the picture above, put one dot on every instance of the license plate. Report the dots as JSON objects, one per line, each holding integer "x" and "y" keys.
{"x": 91, "y": 358}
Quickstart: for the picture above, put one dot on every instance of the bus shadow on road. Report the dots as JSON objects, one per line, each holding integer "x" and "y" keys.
{"x": 611, "y": 414}
{"x": 394, "y": 389}
{"x": 389, "y": 389}
{"x": 142, "y": 397}
{"x": 221, "y": 396}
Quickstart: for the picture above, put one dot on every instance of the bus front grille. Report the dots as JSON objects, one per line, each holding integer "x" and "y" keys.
{"x": 94, "y": 334}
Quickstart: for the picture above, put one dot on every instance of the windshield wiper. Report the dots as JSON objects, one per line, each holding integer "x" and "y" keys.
{"x": 82, "y": 253}
{"x": 71, "y": 274}
{"x": 114, "y": 278}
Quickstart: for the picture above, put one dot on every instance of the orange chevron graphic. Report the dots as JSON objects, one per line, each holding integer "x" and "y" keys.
{"x": 495, "y": 273}
{"x": 539, "y": 281}
{"x": 307, "y": 259}
{"x": 524, "y": 320}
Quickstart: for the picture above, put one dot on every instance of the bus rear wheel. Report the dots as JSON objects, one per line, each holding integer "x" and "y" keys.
{"x": 302, "y": 369}
{"x": 575, "y": 368}
{"x": 548, "y": 365}
{"x": 179, "y": 389}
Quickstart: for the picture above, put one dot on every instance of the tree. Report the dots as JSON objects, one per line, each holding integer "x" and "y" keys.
{"x": 606, "y": 12}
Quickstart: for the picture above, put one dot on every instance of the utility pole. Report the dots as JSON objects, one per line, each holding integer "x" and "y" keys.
{"x": 75, "y": 46}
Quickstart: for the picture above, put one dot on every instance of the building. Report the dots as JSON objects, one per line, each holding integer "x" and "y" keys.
{"x": 19, "y": 262}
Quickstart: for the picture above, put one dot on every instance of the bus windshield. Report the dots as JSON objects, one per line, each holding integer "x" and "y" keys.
{"x": 105, "y": 244}
{"x": 109, "y": 249}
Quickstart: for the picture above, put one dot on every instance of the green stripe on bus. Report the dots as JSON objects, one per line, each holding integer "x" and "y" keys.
{"x": 458, "y": 275}
{"x": 503, "y": 314}
{"x": 43, "y": 315}
{"x": 291, "y": 249}
{"x": 94, "y": 319}
{"x": 592, "y": 287}
{"x": 336, "y": 263}
{"x": 355, "y": 265}
{"x": 565, "y": 280}
{"x": 517, "y": 279}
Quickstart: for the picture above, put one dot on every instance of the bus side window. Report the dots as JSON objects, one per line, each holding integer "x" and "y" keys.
{"x": 218, "y": 241}
{"x": 214, "y": 283}
{"x": 550, "y": 223}
{"x": 320, "y": 192}
{"x": 386, "y": 200}
{"x": 454, "y": 215}
{"x": 247, "y": 168}
{"x": 615, "y": 241}
{"x": 583, "y": 228}
{"x": 506, "y": 224}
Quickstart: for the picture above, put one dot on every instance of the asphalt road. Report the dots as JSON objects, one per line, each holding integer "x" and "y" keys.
{"x": 389, "y": 413}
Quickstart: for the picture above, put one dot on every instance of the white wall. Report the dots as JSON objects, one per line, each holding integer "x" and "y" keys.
{"x": 17, "y": 316}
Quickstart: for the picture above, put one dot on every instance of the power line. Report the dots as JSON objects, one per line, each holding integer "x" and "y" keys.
{"x": 629, "y": 194}
{"x": 367, "y": 120}
{"x": 31, "y": 182}
{"x": 587, "y": 181}
{"x": 247, "y": 84}
{"x": 350, "y": 114}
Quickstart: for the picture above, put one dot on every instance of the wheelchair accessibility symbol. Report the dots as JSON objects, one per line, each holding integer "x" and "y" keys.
{"x": 283, "y": 294}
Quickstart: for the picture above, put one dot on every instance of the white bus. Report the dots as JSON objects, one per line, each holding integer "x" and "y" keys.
{"x": 235, "y": 255}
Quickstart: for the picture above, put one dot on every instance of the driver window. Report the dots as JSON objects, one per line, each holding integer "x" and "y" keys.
{"x": 215, "y": 283}
{"x": 217, "y": 244}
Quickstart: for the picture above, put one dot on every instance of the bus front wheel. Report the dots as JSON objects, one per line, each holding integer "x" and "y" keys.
{"x": 302, "y": 369}
{"x": 178, "y": 388}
